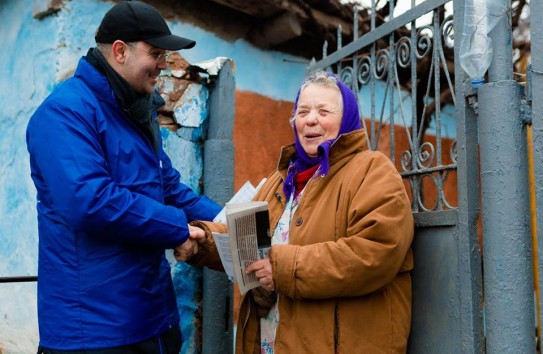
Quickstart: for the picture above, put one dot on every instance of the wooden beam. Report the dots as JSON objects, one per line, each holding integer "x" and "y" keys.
{"x": 332, "y": 22}
{"x": 276, "y": 30}
{"x": 272, "y": 8}
{"x": 256, "y": 8}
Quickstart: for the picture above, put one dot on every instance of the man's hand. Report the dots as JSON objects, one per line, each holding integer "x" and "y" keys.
{"x": 197, "y": 234}
{"x": 186, "y": 250}
{"x": 263, "y": 272}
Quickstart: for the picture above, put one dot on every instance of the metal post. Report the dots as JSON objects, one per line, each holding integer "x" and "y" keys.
{"x": 507, "y": 257}
{"x": 217, "y": 326}
{"x": 507, "y": 264}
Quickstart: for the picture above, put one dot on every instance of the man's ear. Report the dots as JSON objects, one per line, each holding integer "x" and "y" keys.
{"x": 119, "y": 51}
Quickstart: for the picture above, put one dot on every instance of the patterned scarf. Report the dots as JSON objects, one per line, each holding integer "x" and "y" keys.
{"x": 350, "y": 121}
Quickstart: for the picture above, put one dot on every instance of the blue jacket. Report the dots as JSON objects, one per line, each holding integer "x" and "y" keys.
{"x": 108, "y": 207}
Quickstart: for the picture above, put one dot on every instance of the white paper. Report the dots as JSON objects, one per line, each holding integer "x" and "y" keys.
{"x": 239, "y": 250}
{"x": 245, "y": 194}
{"x": 243, "y": 225}
{"x": 222, "y": 242}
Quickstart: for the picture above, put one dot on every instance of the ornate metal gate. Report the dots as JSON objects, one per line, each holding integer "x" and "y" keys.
{"x": 407, "y": 111}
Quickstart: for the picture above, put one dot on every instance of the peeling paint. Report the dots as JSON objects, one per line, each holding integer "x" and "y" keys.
{"x": 42, "y": 8}
{"x": 213, "y": 66}
{"x": 186, "y": 156}
{"x": 191, "y": 109}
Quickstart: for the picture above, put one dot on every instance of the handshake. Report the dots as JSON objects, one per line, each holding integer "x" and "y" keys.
{"x": 189, "y": 248}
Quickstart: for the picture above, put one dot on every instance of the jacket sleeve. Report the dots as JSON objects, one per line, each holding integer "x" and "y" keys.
{"x": 181, "y": 196}
{"x": 72, "y": 177}
{"x": 208, "y": 255}
{"x": 368, "y": 256}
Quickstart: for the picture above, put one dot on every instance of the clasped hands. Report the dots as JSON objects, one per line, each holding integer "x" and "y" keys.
{"x": 262, "y": 268}
{"x": 189, "y": 248}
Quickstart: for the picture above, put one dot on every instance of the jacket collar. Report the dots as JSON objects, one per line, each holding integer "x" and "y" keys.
{"x": 346, "y": 144}
{"x": 95, "y": 80}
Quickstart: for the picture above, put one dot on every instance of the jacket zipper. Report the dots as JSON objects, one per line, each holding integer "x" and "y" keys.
{"x": 160, "y": 345}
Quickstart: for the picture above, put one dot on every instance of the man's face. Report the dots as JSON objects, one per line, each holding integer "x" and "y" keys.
{"x": 142, "y": 66}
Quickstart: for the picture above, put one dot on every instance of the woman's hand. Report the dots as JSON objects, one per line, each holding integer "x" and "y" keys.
{"x": 186, "y": 250}
{"x": 197, "y": 234}
{"x": 263, "y": 272}
{"x": 189, "y": 248}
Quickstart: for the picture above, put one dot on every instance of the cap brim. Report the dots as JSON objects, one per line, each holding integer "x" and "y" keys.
{"x": 170, "y": 42}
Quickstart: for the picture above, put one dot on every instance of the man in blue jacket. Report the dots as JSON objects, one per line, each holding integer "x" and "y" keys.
{"x": 109, "y": 201}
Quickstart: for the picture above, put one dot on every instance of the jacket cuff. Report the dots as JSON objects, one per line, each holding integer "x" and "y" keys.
{"x": 210, "y": 227}
{"x": 284, "y": 275}
{"x": 208, "y": 255}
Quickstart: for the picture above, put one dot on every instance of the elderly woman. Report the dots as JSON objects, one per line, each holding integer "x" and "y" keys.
{"x": 337, "y": 277}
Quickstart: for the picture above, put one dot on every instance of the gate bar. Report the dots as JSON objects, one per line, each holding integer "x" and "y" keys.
{"x": 469, "y": 253}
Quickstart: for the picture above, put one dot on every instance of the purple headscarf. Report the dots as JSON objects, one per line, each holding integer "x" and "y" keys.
{"x": 350, "y": 121}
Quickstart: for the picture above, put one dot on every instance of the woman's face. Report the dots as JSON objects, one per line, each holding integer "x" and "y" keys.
{"x": 317, "y": 117}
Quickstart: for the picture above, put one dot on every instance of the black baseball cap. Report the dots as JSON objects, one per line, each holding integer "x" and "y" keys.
{"x": 133, "y": 21}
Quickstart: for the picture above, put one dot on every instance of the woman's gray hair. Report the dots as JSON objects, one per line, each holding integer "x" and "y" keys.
{"x": 323, "y": 79}
{"x": 320, "y": 78}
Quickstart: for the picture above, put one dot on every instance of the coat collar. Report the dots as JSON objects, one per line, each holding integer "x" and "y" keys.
{"x": 346, "y": 144}
{"x": 95, "y": 80}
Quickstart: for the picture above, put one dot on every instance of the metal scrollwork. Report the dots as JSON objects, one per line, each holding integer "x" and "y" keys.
{"x": 447, "y": 30}
{"x": 454, "y": 153}
{"x": 426, "y": 155}
{"x": 442, "y": 194}
{"x": 346, "y": 75}
{"x": 403, "y": 52}
{"x": 406, "y": 161}
{"x": 424, "y": 41}
{"x": 381, "y": 64}
{"x": 419, "y": 199}
{"x": 364, "y": 70}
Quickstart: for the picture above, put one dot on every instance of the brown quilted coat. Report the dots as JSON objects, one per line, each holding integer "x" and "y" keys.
{"x": 343, "y": 280}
